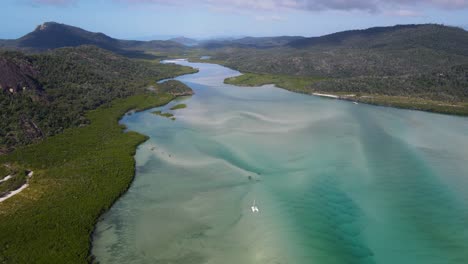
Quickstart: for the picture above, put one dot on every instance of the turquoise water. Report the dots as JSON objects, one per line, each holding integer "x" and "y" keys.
{"x": 334, "y": 182}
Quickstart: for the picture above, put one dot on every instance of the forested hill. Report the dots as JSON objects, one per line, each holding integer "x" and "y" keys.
{"x": 185, "y": 41}
{"x": 431, "y": 36}
{"x": 43, "y": 94}
{"x": 427, "y": 61}
{"x": 250, "y": 42}
{"x": 51, "y": 35}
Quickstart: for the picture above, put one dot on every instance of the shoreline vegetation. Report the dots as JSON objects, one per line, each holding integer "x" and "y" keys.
{"x": 79, "y": 174}
{"x": 303, "y": 85}
{"x": 69, "y": 135}
{"x": 175, "y": 87}
{"x": 178, "y": 106}
{"x": 416, "y": 66}
{"x": 167, "y": 115}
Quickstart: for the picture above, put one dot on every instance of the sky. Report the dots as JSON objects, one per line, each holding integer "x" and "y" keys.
{"x": 159, "y": 19}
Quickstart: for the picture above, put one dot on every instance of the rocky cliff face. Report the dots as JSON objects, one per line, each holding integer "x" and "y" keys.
{"x": 17, "y": 74}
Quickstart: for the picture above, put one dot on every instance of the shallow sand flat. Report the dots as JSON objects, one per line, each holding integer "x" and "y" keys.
{"x": 334, "y": 182}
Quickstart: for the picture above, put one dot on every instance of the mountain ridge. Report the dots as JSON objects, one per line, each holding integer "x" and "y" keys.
{"x": 185, "y": 41}
{"x": 52, "y": 35}
{"x": 419, "y": 61}
{"x": 251, "y": 42}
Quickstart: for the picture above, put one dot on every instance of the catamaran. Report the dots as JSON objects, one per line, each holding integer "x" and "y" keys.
{"x": 254, "y": 207}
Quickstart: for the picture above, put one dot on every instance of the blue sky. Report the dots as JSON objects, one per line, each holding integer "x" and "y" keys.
{"x": 136, "y": 19}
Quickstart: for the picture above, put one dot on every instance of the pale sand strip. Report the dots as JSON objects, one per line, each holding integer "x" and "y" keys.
{"x": 24, "y": 186}
{"x": 327, "y": 95}
{"x": 5, "y": 179}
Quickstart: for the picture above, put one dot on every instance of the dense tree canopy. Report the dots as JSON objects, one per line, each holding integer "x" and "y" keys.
{"x": 70, "y": 82}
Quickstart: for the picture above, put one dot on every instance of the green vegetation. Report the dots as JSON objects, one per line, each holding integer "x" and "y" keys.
{"x": 77, "y": 175}
{"x": 414, "y": 103}
{"x": 196, "y": 59}
{"x": 179, "y": 106}
{"x": 450, "y": 86}
{"x": 252, "y": 42}
{"x": 15, "y": 182}
{"x": 69, "y": 82}
{"x": 308, "y": 85}
{"x": 292, "y": 83}
{"x": 428, "y": 62}
{"x": 18, "y": 178}
{"x": 391, "y": 51}
{"x": 160, "y": 113}
{"x": 84, "y": 161}
{"x": 174, "y": 87}
{"x": 4, "y": 171}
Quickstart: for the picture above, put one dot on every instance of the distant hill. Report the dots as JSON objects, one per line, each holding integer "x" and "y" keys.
{"x": 389, "y": 51}
{"x": 185, "y": 41}
{"x": 51, "y": 35}
{"x": 7, "y": 43}
{"x": 251, "y": 42}
{"x": 350, "y": 36}
{"x": 425, "y": 60}
{"x": 431, "y": 36}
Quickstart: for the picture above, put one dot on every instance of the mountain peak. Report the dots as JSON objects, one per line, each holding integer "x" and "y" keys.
{"x": 46, "y": 25}
{"x": 52, "y": 35}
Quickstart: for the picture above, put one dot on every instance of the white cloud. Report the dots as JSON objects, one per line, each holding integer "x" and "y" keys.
{"x": 53, "y": 2}
{"x": 404, "y": 13}
{"x": 270, "y": 18}
{"x": 313, "y": 5}
{"x": 310, "y": 5}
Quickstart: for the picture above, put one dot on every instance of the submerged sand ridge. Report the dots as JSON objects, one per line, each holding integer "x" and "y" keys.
{"x": 334, "y": 182}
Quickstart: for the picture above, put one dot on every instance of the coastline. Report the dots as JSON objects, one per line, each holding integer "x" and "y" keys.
{"x": 136, "y": 229}
{"x": 400, "y": 102}
{"x": 298, "y": 85}
{"x": 326, "y": 95}
{"x": 90, "y": 256}
{"x": 83, "y": 172}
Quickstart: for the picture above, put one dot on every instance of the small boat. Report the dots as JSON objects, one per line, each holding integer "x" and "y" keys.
{"x": 254, "y": 208}
{"x": 355, "y": 102}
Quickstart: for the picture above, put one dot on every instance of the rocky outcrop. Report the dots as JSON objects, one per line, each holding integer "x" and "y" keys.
{"x": 17, "y": 74}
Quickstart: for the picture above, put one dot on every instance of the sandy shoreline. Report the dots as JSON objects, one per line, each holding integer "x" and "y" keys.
{"x": 326, "y": 95}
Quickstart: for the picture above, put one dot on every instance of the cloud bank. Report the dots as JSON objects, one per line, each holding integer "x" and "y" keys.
{"x": 306, "y": 5}
{"x": 314, "y": 5}
{"x": 53, "y": 2}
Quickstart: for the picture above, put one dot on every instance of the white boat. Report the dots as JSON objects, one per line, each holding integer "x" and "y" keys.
{"x": 355, "y": 102}
{"x": 254, "y": 208}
